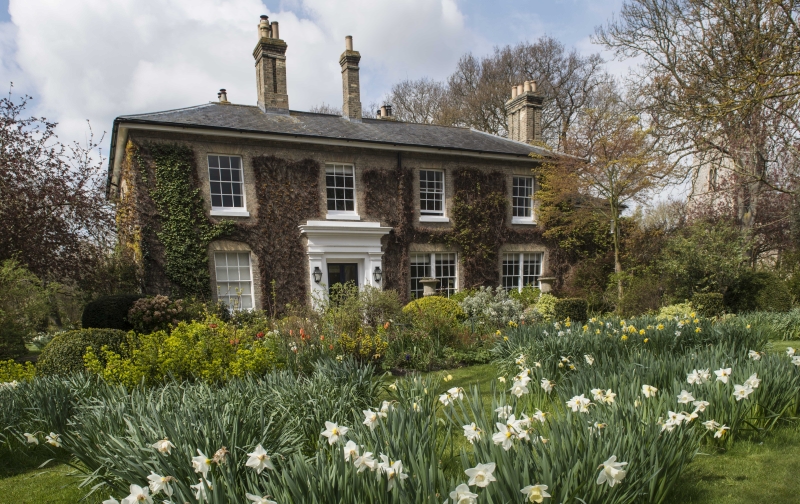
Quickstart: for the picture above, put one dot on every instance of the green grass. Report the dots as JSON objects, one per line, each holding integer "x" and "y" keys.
{"x": 49, "y": 485}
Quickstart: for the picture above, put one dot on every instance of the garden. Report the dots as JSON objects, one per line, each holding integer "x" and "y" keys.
{"x": 484, "y": 397}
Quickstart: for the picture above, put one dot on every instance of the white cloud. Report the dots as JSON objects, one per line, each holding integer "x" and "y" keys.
{"x": 96, "y": 59}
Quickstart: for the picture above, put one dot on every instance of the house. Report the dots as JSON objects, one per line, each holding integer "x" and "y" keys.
{"x": 261, "y": 205}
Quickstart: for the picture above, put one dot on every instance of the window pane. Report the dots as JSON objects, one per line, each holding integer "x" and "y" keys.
{"x": 510, "y": 273}
{"x": 420, "y": 268}
{"x": 340, "y": 183}
{"x": 446, "y": 273}
{"x": 213, "y": 162}
{"x": 227, "y": 201}
{"x": 431, "y": 192}
{"x": 229, "y": 173}
{"x": 213, "y": 174}
{"x": 234, "y": 162}
{"x": 234, "y": 285}
{"x": 216, "y": 201}
{"x": 224, "y": 162}
{"x": 522, "y": 197}
{"x": 531, "y": 269}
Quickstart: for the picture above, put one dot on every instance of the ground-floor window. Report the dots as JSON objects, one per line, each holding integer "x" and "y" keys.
{"x": 444, "y": 269}
{"x": 521, "y": 269}
{"x": 234, "y": 279}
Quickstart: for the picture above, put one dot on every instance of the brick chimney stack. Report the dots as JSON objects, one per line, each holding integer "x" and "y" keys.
{"x": 351, "y": 89}
{"x": 270, "y": 56}
{"x": 524, "y": 113}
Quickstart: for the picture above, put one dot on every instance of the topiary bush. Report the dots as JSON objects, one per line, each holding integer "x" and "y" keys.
{"x": 546, "y": 307}
{"x": 109, "y": 312}
{"x": 708, "y": 304}
{"x": 437, "y": 306}
{"x": 64, "y": 354}
{"x": 758, "y": 291}
{"x": 158, "y": 313}
{"x": 574, "y": 309}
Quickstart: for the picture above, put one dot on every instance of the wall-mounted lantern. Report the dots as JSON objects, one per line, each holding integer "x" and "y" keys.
{"x": 317, "y": 274}
{"x": 377, "y": 274}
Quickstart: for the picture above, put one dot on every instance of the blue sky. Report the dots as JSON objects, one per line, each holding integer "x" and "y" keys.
{"x": 97, "y": 59}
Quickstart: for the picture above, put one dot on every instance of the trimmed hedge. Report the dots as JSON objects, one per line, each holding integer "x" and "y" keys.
{"x": 709, "y": 304}
{"x": 575, "y": 309}
{"x": 440, "y": 307}
{"x": 64, "y": 354}
{"x": 109, "y": 312}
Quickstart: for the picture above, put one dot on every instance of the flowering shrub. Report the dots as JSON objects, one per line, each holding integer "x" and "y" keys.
{"x": 11, "y": 371}
{"x": 157, "y": 313}
{"x": 492, "y": 308}
{"x": 681, "y": 310}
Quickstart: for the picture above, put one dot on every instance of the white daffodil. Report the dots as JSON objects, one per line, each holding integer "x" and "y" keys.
{"x": 444, "y": 399}
{"x": 753, "y": 382}
{"x": 370, "y": 418}
{"x": 609, "y": 396}
{"x": 138, "y": 495}
{"x": 796, "y": 360}
{"x": 547, "y": 385}
{"x": 590, "y": 361}
{"x": 649, "y": 390}
{"x": 677, "y": 418}
{"x": 259, "y": 500}
{"x": 519, "y": 389}
{"x": 523, "y": 378}
{"x": 691, "y": 417}
{"x": 612, "y": 472}
{"x": 472, "y": 432}
{"x": 520, "y": 361}
{"x": 535, "y": 493}
{"x": 696, "y": 377}
{"x": 597, "y": 394}
{"x": 741, "y": 392}
{"x": 504, "y": 436}
{"x": 790, "y": 351}
{"x": 365, "y": 461}
{"x": 503, "y": 412}
{"x": 700, "y": 405}
{"x": 723, "y": 374}
{"x": 334, "y": 431}
{"x": 164, "y": 446}
{"x": 386, "y": 407}
{"x": 201, "y": 463}
{"x": 200, "y": 492}
{"x": 259, "y": 460}
{"x": 53, "y": 439}
{"x": 160, "y": 484}
{"x": 524, "y": 422}
{"x": 501, "y": 379}
{"x": 481, "y": 475}
{"x": 710, "y": 424}
{"x": 456, "y": 393}
{"x": 754, "y": 355}
{"x": 705, "y": 375}
{"x": 539, "y": 415}
{"x": 721, "y": 431}
{"x": 393, "y": 471}
{"x": 579, "y": 403}
{"x": 685, "y": 397}
{"x": 462, "y": 495}
{"x": 110, "y": 500}
{"x": 31, "y": 439}
{"x": 350, "y": 451}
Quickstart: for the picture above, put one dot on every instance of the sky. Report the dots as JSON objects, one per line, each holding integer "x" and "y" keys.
{"x": 93, "y": 60}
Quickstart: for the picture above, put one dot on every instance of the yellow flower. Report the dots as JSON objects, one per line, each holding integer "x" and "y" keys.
{"x": 622, "y": 323}
{"x": 593, "y": 319}
{"x": 631, "y": 329}
{"x": 585, "y": 328}
{"x": 649, "y": 327}
{"x": 497, "y": 332}
{"x": 692, "y": 315}
{"x": 641, "y": 331}
{"x": 696, "y": 321}
{"x": 505, "y": 338}
{"x": 748, "y": 326}
{"x": 624, "y": 338}
{"x": 597, "y": 331}
{"x": 646, "y": 340}
{"x": 697, "y": 330}
{"x": 660, "y": 327}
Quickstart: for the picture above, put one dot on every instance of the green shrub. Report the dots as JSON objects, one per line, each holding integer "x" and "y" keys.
{"x": 64, "y": 354}
{"x": 758, "y": 291}
{"x": 157, "y": 313}
{"x": 24, "y": 308}
{"x": 11, "y": 371}
{"x": 434, "y": 307}
{"x": 109, "y": 312}
{"x": 528, "y": 296}
{"x": 571, "y": 308}
{"x": 709, "y": 304}
{"x": 680, "y": 310}
{"x": 546, "y": 307}
{"x": 492, "y": 308}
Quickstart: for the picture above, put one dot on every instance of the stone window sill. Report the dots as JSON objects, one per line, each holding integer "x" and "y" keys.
{"x": 350, "y": 216}
{"x": 225, "y": 212}
{"x": 523, "y": 220}
{"x": 433, "y": 218}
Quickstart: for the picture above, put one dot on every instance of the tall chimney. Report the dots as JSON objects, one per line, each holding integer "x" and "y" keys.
{"x": 351, "y": 90}
{"x": 524, "y": 113}
{"x": 270, "y": 56}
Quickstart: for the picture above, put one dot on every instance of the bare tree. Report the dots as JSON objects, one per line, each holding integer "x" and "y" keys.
{"x": 325, "y": 109}
{"x": 720, "y": 82}
{"x": 423, "y": 101}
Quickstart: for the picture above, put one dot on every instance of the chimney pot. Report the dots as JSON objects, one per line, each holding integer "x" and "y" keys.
{"x": 351, "y": 85}
{"x": 270, "y": 56}
{"x": 520, "y": 89}
{"x": 533, "y": 86}
{"x": 389, "y": 109}
{"x": 513, "y": 91}
{"x": 263, "y": 27}
{"x": 275, "y": 33}
{"x": 524, "y": 113}
{"x": 223, "y": 96}
{"x": 348, "y": 43}
{"x": 382, "y": 111}
{"x": 527, "y": 86}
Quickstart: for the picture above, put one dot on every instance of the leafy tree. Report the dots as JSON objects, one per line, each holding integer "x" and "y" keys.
{"x": 24, "y": 307}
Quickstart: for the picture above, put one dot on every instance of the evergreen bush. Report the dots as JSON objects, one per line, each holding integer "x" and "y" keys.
{"x": 109, "y": 312}
{"x": 64, "y": 354}
{"x": 574, "y": 309}
{"x": 708, "y": 304}
{"x": 758, "y": 291}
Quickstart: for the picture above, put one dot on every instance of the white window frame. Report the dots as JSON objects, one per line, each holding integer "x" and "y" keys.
{"x": 223, "y": 211}
{"x": 217, "y": 280}
{"x": 431, "y": 265}
{"x": 437, "y": 216}
{"x": 523, "y": 219}
{"x": 520, "y": 264}
{"x": 342, "y": 214}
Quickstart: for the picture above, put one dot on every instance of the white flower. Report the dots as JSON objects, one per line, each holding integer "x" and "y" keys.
{"x": 754, "y": 355}
{"x": 721, "y": 431}
{"x": 53, "y": 439}
{"x": 790, "y": 351}
{"x": 386, "y": 407}
{"x": 200, "y": 490}
{"x": 705, "y": 375}
{"x": 609, "y": 396}
{"x": 138, "y": 495}
{"x": 164, "y": 446}
{"x": 710, "y": 424}
{"x": 501, "y": 379}
{"x": 796, "y": 360}
{"x": 370, "y": 419}
{"x": 504, "y": 436}
{"x": 539, "y": 415}
{"x": 444, "y": 399}
{"x": 519, "y": 388}
{"x": 597, "y": 394}
{"x": 472, "y": 432}
{"x": 612, "y": 472}
{"x": 590, "y": 361}
{"x": 201, "y": 463}
{"x": 393, "y": 471}
{"x": 535, "y": 493}
{"x": 333, "y": 431}
{"x": 649, "y": 390}
{"x": 259, "y": 460}
{"x": 462, "y": 495}
{"x": 110, "y": 500}
{"x": 723, "y": 374}
{"x": 700, "y": 405}
{"x": 579, "y": 403}
{"x": 160, "y": 483}
{"x": 503, "y": 412}
{"x": 685, "y": 397}
{"x": 753, "y": 382}
{"x": 30, "y": 438}
{"x": 350, "y": 451}
{"x": 365, "y": 461}
{"x": 520, "y": 360}
{"x": 547, "y": 385}
{"x": 481, "y": 475}
{"x": 523, "y": 377}
{"x": 697, "y": 377}
{"x": 456, "y": 393}
{"x": 259, "y": 500}
{"x": 741, "y": 392}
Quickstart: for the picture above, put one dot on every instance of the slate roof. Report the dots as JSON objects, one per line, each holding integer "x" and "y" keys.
{"x": 251, "y": 119}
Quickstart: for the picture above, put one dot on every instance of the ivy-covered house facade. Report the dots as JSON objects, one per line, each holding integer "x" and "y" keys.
{"x": 259, "y": 206}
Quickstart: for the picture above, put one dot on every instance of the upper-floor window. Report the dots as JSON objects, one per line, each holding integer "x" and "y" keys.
{"x": 441, "y": 266}
{"x": 522, "y": 200}
{"x": 431, "y": 192}
{"x": 521, "y": 269}
{"x": 227, "y": 182}
{"x": 340, "y": 182}
{"x": 234, "y": 279}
